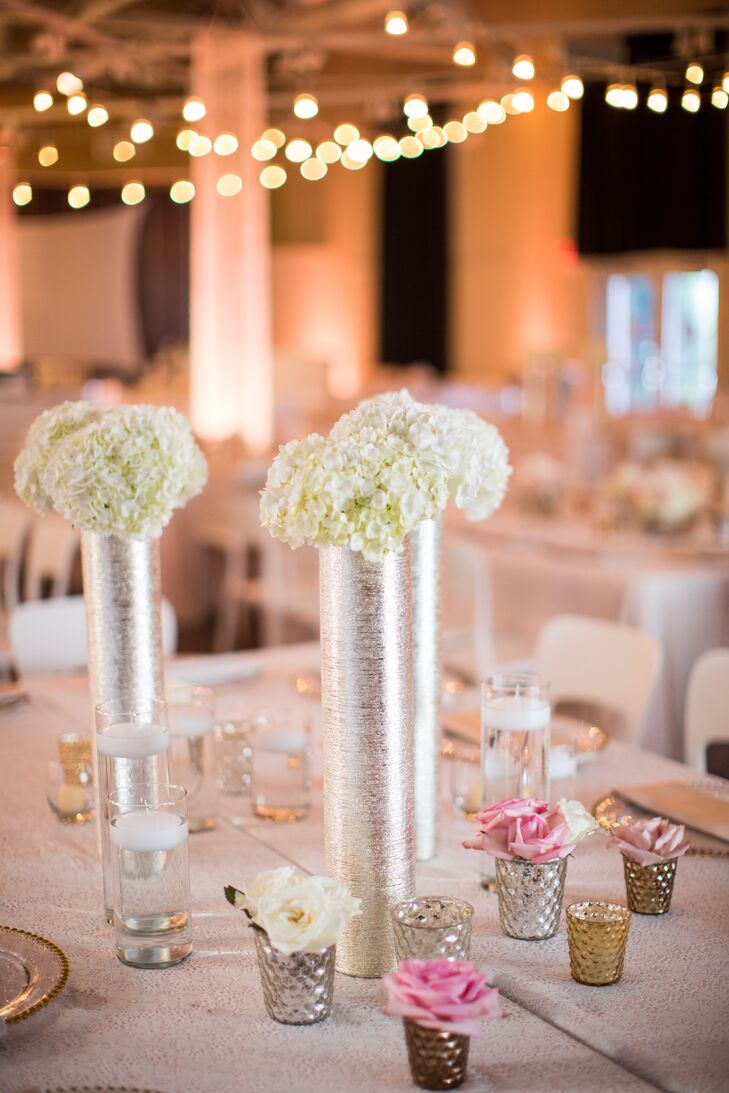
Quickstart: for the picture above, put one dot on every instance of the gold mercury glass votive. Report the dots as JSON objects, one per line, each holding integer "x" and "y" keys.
{"x": 597, "y": 932}
{"x": 74, "y": 751}
{"x": 438, "y": 1057}
{"x": 649, "y": 887}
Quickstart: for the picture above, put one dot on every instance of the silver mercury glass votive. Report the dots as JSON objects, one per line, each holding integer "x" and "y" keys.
{"x": 530, "y": 897}
{"x": 297, "y": 988}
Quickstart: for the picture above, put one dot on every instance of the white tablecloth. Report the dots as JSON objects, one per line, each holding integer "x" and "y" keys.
{"x": 201, "y": 1027}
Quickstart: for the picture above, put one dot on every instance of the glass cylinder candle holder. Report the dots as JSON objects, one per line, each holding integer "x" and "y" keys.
{"x": 191, "y": 713}
{"x": 132, "y": 742}
{"x": 150, "y": 875}
{"x": 280, "y": 776}
{"x": 298, "y": 988}
{"x": 432, "y": 928}
{"x": 597, "y": 932}
{"x": 234, "y": 756}
{"x": 438, "y": 1057}
{"x": 649, "y": 887}
{"x": 530, "y": 897}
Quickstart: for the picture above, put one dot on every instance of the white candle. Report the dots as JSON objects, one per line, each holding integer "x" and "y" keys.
{"x": 148, "y": 830}
{"x": 132, "y": 740}
{"x": 190, "y": 722}
{"x": 72, "y": 798}
{"x": 562, "y": 763}
{"x": 507, "y": 714}
{"x": 279, "y": 740}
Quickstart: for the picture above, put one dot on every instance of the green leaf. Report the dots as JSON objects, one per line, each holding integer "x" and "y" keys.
{"x": 232, "y": 893}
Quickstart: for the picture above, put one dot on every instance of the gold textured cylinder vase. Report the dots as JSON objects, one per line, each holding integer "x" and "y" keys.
{"x": 425, "y": 551}
{"x": 366, "y": 669}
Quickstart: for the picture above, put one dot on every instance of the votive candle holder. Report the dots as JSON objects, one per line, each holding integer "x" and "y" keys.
{"x": 597, "y": 932}
{"x": 649, "y": 887}
{"x": 432, "y": 928}
{"x": 298, "y": 988}
{"x": 438, "y": 1057}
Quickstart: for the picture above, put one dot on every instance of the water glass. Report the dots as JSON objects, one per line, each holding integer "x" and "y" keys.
{"x": 596, "y": 933}
{"x": 71, "y": 802}
{"x": 432, "y": 928}
{"x": 233, "y": 756}
{"x": 280, "y": 777}
{"x": 150, "y": 875}
{"x": 132, "y": 742}
{"x": 191, "y": 715}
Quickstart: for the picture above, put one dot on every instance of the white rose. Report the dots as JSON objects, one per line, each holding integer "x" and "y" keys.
{"x": 270, "y": 881}
{"x": 306, "y": 915}
{"x": 577, "y": 818}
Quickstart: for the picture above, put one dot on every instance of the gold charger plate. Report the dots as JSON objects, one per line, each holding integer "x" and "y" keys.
{"x": 614, "y": 811}
{"x": 33, "y": 971}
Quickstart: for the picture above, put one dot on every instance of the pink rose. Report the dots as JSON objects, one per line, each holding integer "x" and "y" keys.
{"x": 447, "y": 994}
{"x": 650, "y": 841}
{"x": 523, "y": 828}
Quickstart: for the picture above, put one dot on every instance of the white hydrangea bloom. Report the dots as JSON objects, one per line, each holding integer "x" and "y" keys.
{"x": 122, "y": 471}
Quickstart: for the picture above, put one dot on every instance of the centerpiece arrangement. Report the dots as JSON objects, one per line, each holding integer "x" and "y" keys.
{"x": 366, "y": 495}
{"x": 531, "y": 843}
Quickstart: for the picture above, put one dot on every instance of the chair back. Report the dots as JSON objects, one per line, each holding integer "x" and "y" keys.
{"x": 15, "y": 521}
{"x": 52, "y": 551}
{"x": 707, "y": 702}
{"x": 601, "y": 662}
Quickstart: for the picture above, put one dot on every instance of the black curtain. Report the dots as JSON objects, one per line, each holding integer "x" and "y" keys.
{"x": 414, "y": 256}
{"x": 651, "y": 181}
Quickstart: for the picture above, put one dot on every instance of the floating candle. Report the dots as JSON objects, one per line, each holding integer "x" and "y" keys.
{"x": 132, "y": 740}
{"x": 279, "y": 740}
{"x": 190, "y": 721}
{"x": 148, "y": 830}
{"x": 73, "y": 798}
{"x": 507, "y": 714}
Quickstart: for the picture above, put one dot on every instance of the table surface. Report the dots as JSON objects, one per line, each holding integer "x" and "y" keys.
{"x": 201, "y": 1027}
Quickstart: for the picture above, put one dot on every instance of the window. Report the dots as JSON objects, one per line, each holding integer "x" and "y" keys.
{"x": 661, "y": 334}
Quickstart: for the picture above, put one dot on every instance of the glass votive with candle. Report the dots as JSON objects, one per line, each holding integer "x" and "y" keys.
{"x": 150, "y": 874}
{"x": 280, "y": 775}
{"x": 233, "y": 756}
{"x": 71, "y": 802}
{"x": 597, "y": 932}
{"x": 432, "y": 928}
{"x": 191, "y": 712}
{"x": 132, "y": 741}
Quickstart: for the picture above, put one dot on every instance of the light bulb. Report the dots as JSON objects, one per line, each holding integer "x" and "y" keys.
{"x": 42, "y": 100}
{"x": 182, "y": 191}
{"x": 194, "y": 109}
{"x": 352, "y": 164}
{"x": 396, "y": 23}
{"x": 725, "y": 81}
{"x": 123, "y": 150}
{"x": 657, "y": 100}
{"x": 97, "y": 115}
{"x": 694, "y": 72}
{"x": 275, "y": 136}
{"x": 507, "y": 104}
{"x": 572, "y": 86}
{"x": 76, "y": 103}
{"x": 48, "y": 155}
{"x": 328, "y": 151}
{"x": 474, "y": 123}
{"x": 691, "y": 100}
{"x": 272, "y": 177}
{"x": 68, "y": 84}
{"x": 418, "y": 124}
{"x": 464, "y": 54}
{"x": 298, "y": 150}
{"x": 141, "y": 131}
{"x": 199, "y": 146}
{"x": 359, "y": 150}
{"x": 433, "y": 137}
{"x": 719, "y": 98}
{"x": 306, "y": 106}
{"x": 263, "y": 149}
{"x": 344, "y": 134}
{"x": 614, "y": 95}
{"x": 78, "y": 196}
{"x": 386, "y": 148}
{"x": 313, "y": 169}
{"x": 22, "y": 193}
{"x": 229, "y": 185}
{"x": 523, "y": 101}
{"x": 225, "y": 144}
{"x": 558, "y": 100}
{"x": 132, "y": 193}
{"x": 184, "y": 139}
{"x": 455, "y": 131}
{"x": 523, "y": 67}
{"x": 415, "y": 106}
{"x": 410, "y": 147}
{"x": 491, "y": 111}
{"x": 630, "y": 96}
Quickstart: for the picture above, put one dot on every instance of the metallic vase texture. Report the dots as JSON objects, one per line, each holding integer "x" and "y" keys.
{"x": 297, "y": 989}
{"x": 366, "y": 668}
{"x": 425, "y": 550}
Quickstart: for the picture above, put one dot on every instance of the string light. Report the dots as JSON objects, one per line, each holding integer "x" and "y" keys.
{"x": 68, "y": 84}
{"x": 386, "y": 148}
{"x": 229, "y": 185}
{"x": 76, "y": 104}
{"x": 351, "y": 164}
{"x": 657, "y": 100}
{"x": 719, "y": 98}
{"x": 298, "y": 150}
{"x": 132, "y": 193}
{"x": 141, "y": 131}
{"x": 572, "y": 86}
{"x": 415, "y": 106}
{"x": 507, "y": 104}
{"x": 360, "y": 151}
{"x": 491, "y": 111}
{"x": 306, "y": 106}
{"x": 200, "y": 146}
{"x": 558, "y": 100}
{"x": 455, "y": 131}
{"x": 275, "y": 136}
{"x": 42, "y": 100}
{"x": 418, "y": 124}
{"x": 263, "y": 149}
{"x": 523, "y": 67}
{"x": 434, "y": 137}
{"x": 344, "y": 134}
{"x": 22, "y": 193}
{"x": 464, "y": 54}
{"x": 97, "y": 115}
{"x": 123, "y": 151}
{"x": 184, "y": 139}
{"x": 272, "y": 177}
{"x": 410, "y": 147}
{"x": 182, "y": 191}
{"x": 328, "y": 152}
{"x": 523, "y": 101}
{"x": 694, "y": 72}
{"x": 78, "y": 196}
{"x": 691, "y": 100}
{"x": 474, "y": 123}
{"x": 396, "y": 23}
{"x": 630, "y": 96}
{"x": 48, "y": 155}
{"x": 614, "y": 95}
{"x": 313, "y": 170}
{"x": 225, "y": 144}
{"x": 194, "y": 109}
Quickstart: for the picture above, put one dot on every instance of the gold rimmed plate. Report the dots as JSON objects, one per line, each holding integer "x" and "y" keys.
{"x": 33, "y": 971}
{"x": 615, "y": 811}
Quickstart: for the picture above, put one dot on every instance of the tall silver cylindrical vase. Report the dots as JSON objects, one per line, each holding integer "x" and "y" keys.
{"x": 366, "y": 668}
{"x": 425, "y": 555}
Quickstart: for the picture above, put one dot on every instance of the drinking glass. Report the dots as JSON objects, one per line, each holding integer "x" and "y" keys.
{"x": 150, "y": 874}
{"x": 280, "y": 777}
{"x": 432, "y": 928}
{"x": 191, "y": 754}
{"x": 515, "y": 720}
{"x": 233, "y": 756}
{"x": 132, "y": 742}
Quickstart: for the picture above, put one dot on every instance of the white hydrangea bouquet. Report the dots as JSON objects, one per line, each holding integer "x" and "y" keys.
{"x": 384, "y": 467}
{"x": 121, "y": 471}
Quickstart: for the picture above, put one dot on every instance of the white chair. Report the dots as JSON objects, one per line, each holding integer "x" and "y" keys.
{"x": 707, "y": 706}
{"x": 50, "y": 635}
{"x": 51, "y": 554}
{"x": 600, "y": 662}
